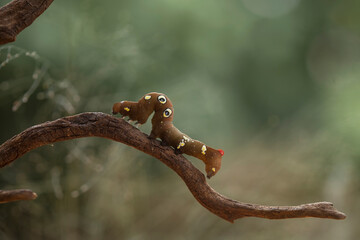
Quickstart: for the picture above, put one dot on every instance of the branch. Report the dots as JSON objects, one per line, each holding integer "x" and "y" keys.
{"x": 16, "y": 195}
{"x": 17, "y": 15}
{"x": 106, "y": 126}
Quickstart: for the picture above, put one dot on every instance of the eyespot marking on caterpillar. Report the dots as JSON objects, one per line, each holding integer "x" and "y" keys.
{"x": 213, "y": 169}
{"x": 127, "y": 109}
{"x": 203, "y": 149}
{"x": 162, "y": 99}
{"x": 147, "y": 97}
{"x": 167, "y": 112}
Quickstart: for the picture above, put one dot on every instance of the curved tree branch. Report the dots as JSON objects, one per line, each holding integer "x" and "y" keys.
{"x": 106, "y": 126}
{"x": 17, "y": 15}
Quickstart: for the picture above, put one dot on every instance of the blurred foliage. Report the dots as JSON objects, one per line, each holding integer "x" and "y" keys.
{"x": 275, "y": 83}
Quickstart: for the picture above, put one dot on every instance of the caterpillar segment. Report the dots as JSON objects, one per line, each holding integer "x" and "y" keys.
{"x": 141, "y": 110}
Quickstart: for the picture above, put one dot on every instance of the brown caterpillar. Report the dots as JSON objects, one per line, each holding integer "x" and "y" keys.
{"x": 163, "y": 128}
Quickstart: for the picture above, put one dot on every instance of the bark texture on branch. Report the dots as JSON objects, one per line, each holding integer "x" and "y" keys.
{"x": 106, "y": 126}
{"x": 17, "y": 15}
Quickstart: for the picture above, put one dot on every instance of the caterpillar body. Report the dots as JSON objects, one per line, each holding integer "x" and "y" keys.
{"x": 163, "y": 128}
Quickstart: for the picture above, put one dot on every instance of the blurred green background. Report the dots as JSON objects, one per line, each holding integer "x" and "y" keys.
{"x": 275, "y": 83}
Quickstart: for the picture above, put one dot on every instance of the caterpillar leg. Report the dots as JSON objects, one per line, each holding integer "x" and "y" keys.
{"x": 164, "y": 143}
{"x": 177, "y": 151}
{"x": 152, "y": 135}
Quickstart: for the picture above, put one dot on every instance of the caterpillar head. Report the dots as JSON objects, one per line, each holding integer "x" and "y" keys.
{"x": 123, "y": 107}
{"x": 213, "y": 161}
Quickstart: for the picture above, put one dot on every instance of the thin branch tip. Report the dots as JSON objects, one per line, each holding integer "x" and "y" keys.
{"x": 16, "y": 195}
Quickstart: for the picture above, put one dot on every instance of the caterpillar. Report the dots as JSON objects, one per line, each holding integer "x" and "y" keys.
{"x": 163, "y": 128}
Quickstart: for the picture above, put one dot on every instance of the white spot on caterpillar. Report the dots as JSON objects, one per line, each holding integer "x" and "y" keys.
{"x": 147, "y": 97}
{"x": 203, "y": 149}
{"x": 181, "y": 144}
{"x": 127, "y": 109}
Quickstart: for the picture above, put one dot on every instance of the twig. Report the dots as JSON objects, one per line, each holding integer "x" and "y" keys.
{"x": 106, "y": 126}
{"x": 17, "y": 15}
{"x": 16, "y": 195}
